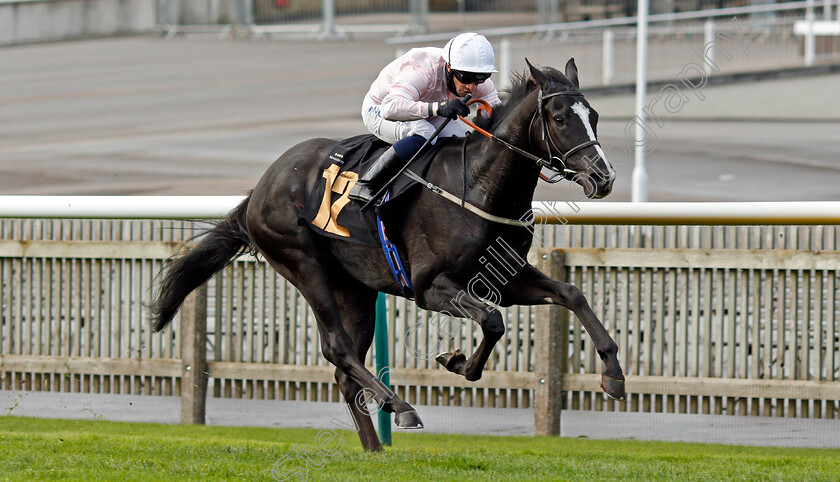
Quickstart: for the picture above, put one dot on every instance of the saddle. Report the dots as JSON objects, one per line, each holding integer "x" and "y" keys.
{"x": 329, "y": 212}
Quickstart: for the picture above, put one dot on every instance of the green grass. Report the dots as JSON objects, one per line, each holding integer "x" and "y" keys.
{"x": 87, "y": 450}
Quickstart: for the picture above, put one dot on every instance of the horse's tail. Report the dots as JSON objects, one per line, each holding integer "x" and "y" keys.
{"x": 218, "y": 246}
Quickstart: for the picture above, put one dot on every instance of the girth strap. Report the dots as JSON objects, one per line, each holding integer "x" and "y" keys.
{"x": 392, "y": 256}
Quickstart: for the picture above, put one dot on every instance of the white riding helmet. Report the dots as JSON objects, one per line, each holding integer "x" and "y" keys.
{"x": 470, "y": 52}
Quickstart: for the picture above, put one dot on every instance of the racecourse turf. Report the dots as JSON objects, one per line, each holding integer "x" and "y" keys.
{"x": 98, "y": 450}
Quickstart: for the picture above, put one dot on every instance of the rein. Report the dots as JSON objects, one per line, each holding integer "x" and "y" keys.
{"x": 564, "y": 172}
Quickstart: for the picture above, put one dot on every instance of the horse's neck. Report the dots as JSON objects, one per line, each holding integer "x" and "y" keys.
{"x": 500, "y": 180}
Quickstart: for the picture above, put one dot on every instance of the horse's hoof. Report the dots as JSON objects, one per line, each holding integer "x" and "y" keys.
{"x": 613, "y": 388}
{"x": 472, "y": 377}
{"x": 408, "y": 420}
{"x": 454, "y": 362}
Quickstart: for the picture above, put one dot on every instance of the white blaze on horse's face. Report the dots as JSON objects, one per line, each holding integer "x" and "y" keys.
{"x": 583, "y": 112}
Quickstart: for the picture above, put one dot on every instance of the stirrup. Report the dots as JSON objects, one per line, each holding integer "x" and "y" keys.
{"x": 367, "y": 185}
{"x": 362, "y": 192}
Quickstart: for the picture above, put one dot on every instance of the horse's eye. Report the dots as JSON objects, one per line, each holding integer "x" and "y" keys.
{"x": 559, "y": 119}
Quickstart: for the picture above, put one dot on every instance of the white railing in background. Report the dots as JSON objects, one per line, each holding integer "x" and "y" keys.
{"x": 26, "y": 21}
{"x": 560, "y": 28}
{"x": 117, "y": 207}
{"x": 553, "y": 212}
{"x": 331, "y": 19}
{"x": 778, "y": 36}
{"x": 340, "y": 18}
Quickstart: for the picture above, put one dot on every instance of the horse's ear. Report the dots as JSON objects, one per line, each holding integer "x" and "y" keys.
{"x": 537, "y": 75}
{"x": 571, "y": 72}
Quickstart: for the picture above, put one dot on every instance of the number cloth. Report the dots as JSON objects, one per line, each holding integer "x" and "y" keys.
{"x": 328, "y": 210}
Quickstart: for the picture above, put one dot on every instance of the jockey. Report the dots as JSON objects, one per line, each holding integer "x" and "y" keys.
{"x": 415, "y": 93}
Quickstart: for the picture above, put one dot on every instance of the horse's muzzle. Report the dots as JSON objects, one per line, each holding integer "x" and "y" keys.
{"x": 595, "y": 185}
{"x": 603, "y": 187}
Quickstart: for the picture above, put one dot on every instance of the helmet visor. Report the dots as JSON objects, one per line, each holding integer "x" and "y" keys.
{"x": 470, "y": 77}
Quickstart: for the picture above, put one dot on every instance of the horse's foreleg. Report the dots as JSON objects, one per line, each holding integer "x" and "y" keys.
{"x": 532, "y": 287}
{"x": 446, "y": 296}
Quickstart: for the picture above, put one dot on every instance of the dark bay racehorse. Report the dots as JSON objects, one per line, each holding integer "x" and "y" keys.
{"x": 545, "y": 120}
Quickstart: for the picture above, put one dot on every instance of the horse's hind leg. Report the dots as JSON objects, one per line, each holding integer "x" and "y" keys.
{"x": 353, "y": 394}
{"x": 339, "y": 349}
{"x": 358, "y": 317}
{"x": 319, "y": 286}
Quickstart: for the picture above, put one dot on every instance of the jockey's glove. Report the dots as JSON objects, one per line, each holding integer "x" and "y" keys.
{"x": 452, "y": 108}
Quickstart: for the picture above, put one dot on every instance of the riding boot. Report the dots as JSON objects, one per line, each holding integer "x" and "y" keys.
{"x": 367, "y": 186}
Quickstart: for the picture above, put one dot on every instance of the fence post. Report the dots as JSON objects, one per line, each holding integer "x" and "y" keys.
{"x": 504, "y": 63}
{"x": 810, "y": 43}
{"x": 551, "y": 335}
{"x": 419, "y": 16}
{"x": 608, "y": 59}
{"x": 194, "y": 357}
{"x": 709, "y": 46}
{"x": 547, "y": 10}
{"x": 244, "y": 13}
{"x": 380, "y": 334}
{"x": 328, "y": 29}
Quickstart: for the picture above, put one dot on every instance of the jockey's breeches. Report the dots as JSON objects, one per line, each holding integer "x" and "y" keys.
{"x": 393, "y": 131}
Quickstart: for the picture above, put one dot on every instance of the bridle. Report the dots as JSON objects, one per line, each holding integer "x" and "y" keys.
{"x": 550, "y": 146}
{"x": 549, "y": 142}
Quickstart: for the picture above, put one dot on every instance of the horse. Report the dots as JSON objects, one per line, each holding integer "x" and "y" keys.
{"x": 545, "y": 123}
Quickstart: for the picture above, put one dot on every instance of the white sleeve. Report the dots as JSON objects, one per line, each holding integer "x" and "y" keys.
{"x": 403, "y": 100}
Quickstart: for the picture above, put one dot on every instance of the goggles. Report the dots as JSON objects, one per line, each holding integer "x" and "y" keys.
{"x": 470, "y": 77}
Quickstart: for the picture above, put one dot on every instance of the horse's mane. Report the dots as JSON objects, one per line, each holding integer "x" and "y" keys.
{"x": 521, "y": 87}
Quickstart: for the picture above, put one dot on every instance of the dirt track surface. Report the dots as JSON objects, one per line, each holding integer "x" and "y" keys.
{"x": 143, "y": 115}
{"x": 722, "y": 429}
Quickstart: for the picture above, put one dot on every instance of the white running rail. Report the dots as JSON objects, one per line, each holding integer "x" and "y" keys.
{"x": 547, "y": 212}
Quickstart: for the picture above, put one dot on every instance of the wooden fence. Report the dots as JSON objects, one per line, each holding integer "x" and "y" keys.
{"x": 705, "y": 324}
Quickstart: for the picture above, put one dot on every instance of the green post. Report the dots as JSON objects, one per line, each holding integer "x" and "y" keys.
{"x": 381, "y": 340}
